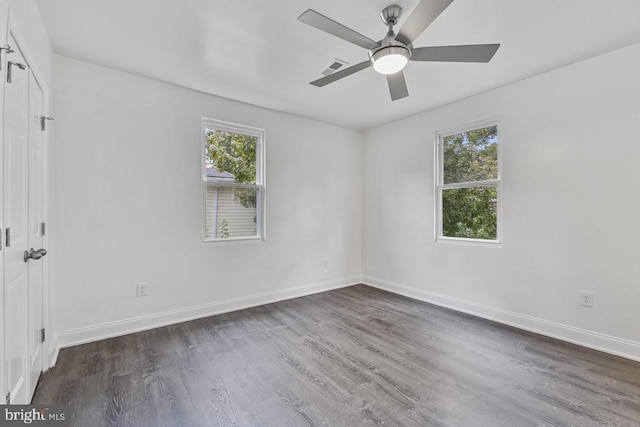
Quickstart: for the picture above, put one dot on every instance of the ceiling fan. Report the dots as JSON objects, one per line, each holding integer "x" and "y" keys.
{"x": 390, "y": 55}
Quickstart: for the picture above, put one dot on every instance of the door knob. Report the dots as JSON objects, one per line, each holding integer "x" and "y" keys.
{"x": 33, "y": 254}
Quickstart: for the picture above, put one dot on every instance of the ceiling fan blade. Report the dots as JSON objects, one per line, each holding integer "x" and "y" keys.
{"x": 328, "y": 25}
{"x": 424, "y": 14}
{"x": 466, "y": 53}
{"x": 341, "y": 74}
{"x": 397, "y": 86}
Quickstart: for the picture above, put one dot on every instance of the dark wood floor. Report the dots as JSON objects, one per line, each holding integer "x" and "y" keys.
{"x": 351, "y": 357}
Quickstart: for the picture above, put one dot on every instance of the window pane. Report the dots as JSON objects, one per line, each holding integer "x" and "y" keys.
{"x": 230, "y": 156}
{"x": 470, "y": 213}
{"x": 231, "y": 212}
{"x": 471, "y": 156}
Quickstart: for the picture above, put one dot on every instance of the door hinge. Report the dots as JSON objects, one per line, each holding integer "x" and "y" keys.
{"x": 9, "y": 68}
{"x": 0, "y": 239}
{"x": 8, "y": 49}
{"x": 43, "y": 335}
{"x": 7, "y": 237}
{"x": 9, "y": 398}
{"x": 43, "y": 122}
{"x": 43, "y": 229}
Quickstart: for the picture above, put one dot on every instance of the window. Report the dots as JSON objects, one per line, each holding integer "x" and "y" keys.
{"x": 468, "y": 183}
{"x": 232, "y": 181}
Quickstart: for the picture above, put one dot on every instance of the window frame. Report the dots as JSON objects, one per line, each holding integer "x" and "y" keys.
{"x": 260, "y": 184}
{"x": 440, "y": 186}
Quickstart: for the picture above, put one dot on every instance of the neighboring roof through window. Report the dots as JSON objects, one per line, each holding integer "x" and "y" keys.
{"x": 212, "y": 172}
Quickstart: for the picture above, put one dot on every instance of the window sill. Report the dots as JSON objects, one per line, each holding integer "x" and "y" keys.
{"x": 236, "y": 240}
{"x": 469, "y": 242}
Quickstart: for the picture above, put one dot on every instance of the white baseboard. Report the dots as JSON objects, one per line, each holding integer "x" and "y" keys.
{"x": 92, "y": 333}
{"x": 597, "y": 341}
{"x": 606, "y": 343}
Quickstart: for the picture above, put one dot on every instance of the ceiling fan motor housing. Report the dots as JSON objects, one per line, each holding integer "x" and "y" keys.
{"x": 390, "y": 48}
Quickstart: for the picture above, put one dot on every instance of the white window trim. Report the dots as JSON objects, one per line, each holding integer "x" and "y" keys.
{"x": 440, "y": 186}
{"x": 260, "y": 185}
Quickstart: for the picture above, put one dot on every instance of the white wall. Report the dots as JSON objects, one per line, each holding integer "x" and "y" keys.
{"x": 129, "y": 205}
{"x": 571, "y": 203}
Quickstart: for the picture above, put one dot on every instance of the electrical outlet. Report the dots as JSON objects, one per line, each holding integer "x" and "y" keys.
{"x": 587, "y": 299}
{"x": 326, "y": 263}
{"x": 142, "y": 289}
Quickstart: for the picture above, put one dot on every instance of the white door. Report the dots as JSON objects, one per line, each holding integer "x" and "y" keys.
{"x": 16, "y": 119}
{"x": 36, "y": 218}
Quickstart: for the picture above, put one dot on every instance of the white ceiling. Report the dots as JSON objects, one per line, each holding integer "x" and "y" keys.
{"x": 257, "y": 52}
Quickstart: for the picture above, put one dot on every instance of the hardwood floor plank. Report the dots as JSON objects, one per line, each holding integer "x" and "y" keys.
{"x": 352, "y": 357}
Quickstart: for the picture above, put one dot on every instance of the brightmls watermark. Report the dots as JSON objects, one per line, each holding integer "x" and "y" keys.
{"x": 35, "y": 415}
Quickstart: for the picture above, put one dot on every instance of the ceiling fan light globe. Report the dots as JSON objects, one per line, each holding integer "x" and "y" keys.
{"x": 390, "y": 60}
